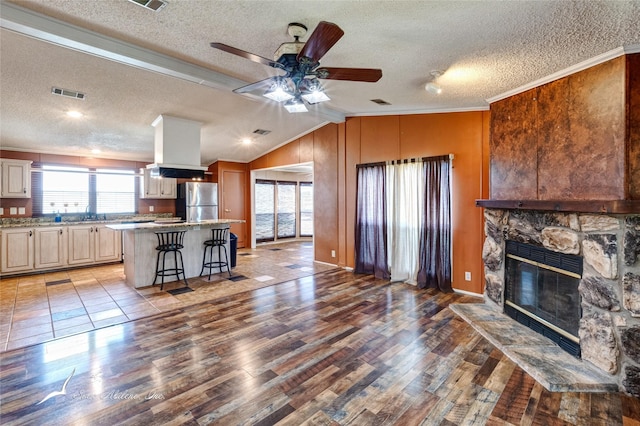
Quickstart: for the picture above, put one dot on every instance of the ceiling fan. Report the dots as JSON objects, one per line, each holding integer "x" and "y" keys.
{"x": 301, "y": 63}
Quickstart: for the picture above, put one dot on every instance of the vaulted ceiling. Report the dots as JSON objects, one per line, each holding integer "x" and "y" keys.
{"x": 134, "y": 64}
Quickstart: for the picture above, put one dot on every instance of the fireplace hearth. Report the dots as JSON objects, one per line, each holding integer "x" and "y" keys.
{"x": 541, "y": 292}
{"x": 604, "y": 296}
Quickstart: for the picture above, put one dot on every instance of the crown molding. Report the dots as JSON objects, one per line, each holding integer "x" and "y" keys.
{"x": 596, "y": 60}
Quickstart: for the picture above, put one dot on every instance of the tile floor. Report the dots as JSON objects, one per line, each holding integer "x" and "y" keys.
{"x": 42, "y": 307}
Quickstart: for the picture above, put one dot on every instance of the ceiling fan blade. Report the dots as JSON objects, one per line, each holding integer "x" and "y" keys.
{"x": 262, "y": 84}
{"x": 370, "y": 75}
{"x": 250, "y": 56}
{"x": 321, "y": 40}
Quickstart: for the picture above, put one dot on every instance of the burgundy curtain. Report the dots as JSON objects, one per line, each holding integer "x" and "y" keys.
{"x": 435, "y": 234}
{"x": 371, "y": 222}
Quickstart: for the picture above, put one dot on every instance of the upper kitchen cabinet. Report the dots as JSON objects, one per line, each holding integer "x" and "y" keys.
{"x": 16, "y": 178}
{"x": 152, "y": 187}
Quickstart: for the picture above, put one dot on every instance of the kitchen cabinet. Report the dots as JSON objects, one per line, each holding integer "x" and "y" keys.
{"x": 108, "y": 244}
{"x": 43, "y": 248}
{"x": 81, "y": 244}
{"x": 50, "y": 247}
{"x": 17, "y": 250}
{"x": 157, "y": 187}
{"x": 89, "y": 244}
{"x": 15, "y": 178}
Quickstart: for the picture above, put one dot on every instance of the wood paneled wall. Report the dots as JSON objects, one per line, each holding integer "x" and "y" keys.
{"x": 338, "y": 148}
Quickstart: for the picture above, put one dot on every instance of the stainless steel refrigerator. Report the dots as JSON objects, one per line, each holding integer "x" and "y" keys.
{"x": 197, "y": 201}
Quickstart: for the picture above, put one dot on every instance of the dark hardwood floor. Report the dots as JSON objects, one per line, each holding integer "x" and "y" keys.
{"x": 329, "y": 349}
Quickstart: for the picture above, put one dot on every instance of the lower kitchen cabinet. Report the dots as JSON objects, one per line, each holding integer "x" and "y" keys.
{"x": 93, "y": 244}
{"x": 108, "y": 246}
{"x": 50, "y": 247}
{"x": 54, "y": 247}
{"x": 17, "y": 250}
{"x": 81, "y": 244}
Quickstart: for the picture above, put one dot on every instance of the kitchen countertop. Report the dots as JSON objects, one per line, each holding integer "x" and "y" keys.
{"x": 29, "y": 223}
{"x": 168, "y": 223}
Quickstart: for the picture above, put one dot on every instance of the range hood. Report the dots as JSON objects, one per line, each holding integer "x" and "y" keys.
{"x": 177, "y": 148}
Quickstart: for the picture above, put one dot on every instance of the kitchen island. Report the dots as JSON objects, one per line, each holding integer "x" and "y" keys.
{"x": 140, "y": 241}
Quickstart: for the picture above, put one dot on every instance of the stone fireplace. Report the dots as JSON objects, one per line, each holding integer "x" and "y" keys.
{"x": 608, "y": 329}
{"x": 564, "y": 179}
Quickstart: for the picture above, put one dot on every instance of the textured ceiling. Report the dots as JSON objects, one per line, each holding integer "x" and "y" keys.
{"x": 485, "y": 48}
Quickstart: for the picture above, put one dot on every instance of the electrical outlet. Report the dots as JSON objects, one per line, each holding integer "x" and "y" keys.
{"x": 21, "y": 210}
{"x": 333, "y": 253}
{"x": 150, "y": 208}
{"x": 13, "y": 210}
{"x": 467, "y": 276}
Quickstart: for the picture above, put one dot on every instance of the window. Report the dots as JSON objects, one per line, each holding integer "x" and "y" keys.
{"x": 265, "y": 210}
{"x": 306, "y": 209}
{"x": 115, "y": 191}
{"x": 77, "y": 190}
{"x": 283, "y": 210}
{"x": 64, "y": 189}
{"x": 286, "y": 209}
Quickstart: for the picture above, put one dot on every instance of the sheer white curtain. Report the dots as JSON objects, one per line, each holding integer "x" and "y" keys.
{"x": 405, "y": 201}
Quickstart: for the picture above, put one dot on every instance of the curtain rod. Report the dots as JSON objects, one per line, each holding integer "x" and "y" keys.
{"x": 406, "y": 160}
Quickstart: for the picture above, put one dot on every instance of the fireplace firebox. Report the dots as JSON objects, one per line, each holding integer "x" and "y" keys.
{"x": 541, "y": 292}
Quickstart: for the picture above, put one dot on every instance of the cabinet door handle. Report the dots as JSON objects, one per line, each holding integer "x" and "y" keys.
{"x": 227, "y": 210}
{"x": 96, "y": 229}
{"x": 61, "y": 232}
{"x": 91, "y": 229}
{"x": 30, "y": 233}
{"x": 24, "y": 190}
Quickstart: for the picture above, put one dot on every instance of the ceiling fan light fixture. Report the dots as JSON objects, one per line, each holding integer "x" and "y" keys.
{"x": 313, "y": 92}
{"x": 295, "y": 105}
{"x": 279, "y": 91}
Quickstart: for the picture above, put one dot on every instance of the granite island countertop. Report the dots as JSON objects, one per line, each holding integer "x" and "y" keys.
{"x": 168, "y": 223}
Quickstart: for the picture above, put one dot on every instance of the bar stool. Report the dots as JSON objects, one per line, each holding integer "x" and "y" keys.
{"x": 170, "y": 242}
{"x": 218, "y": 239}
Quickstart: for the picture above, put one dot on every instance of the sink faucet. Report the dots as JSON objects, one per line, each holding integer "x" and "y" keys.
{"x": 87, "y": 213}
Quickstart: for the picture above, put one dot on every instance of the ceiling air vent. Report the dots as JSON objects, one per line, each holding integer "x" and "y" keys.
{"x": 380, "y": 102}
{"x": 154, "y": 5}
{"x": 261, "y": 132}
{"x": 67, "y": 93}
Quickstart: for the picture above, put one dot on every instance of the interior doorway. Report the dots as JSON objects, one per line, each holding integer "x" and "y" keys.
{"x": 282, "y": 204}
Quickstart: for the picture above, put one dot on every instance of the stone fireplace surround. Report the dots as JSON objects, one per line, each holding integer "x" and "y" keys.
{"x": 610, "y": 286}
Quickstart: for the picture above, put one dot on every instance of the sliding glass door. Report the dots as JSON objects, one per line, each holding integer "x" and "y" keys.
{"x": 265, "y": 210}
{"x": 306, "y": 209}
{"x": 284, "y": 209}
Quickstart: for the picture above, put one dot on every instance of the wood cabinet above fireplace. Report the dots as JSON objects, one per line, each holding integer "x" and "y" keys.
{"x": 574, "y": 139}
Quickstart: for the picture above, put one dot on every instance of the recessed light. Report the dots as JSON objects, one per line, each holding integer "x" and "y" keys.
{"x": 95, "y": 151}
{"x": 74, "y": 114}
{"x": 247, "y": 141}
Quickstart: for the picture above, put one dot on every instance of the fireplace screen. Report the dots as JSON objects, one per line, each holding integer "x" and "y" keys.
{"x": 541, "y": 292}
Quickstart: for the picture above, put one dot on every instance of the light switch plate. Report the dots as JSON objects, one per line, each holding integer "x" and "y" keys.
{"x": 21, "y": 210}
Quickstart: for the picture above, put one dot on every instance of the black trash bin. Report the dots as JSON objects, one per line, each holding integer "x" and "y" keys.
{"x": 233, "y": 248}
